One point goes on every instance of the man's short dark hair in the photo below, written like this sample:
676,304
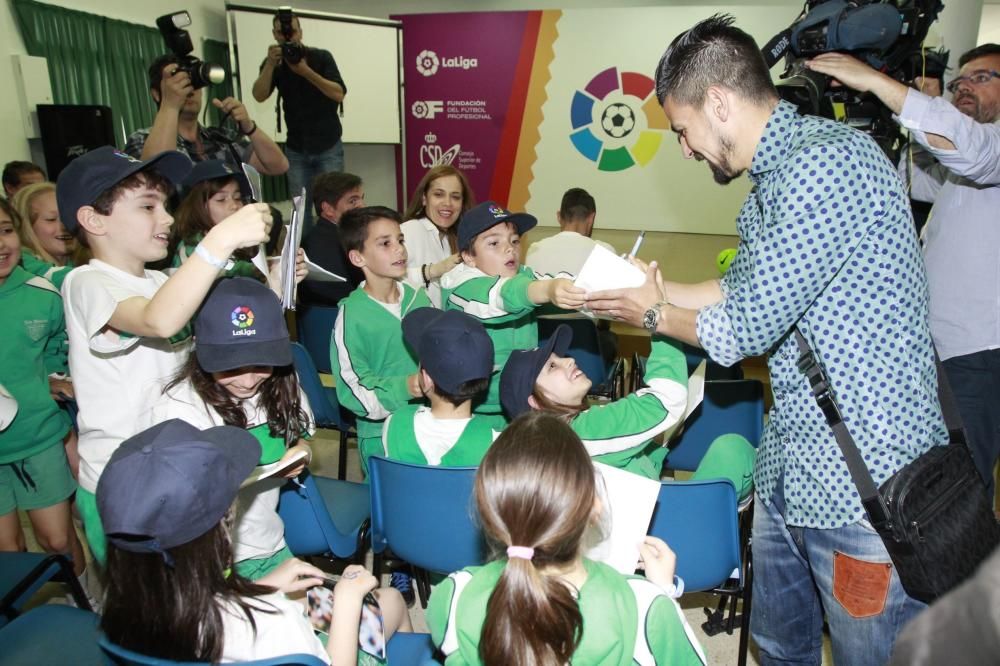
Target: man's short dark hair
331,186
466,391
156,72
980,51
713,52
15,170
577,204
354,225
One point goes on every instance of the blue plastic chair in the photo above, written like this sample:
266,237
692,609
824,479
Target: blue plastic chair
425,516
314,324
700,523
325,406
405,649
23,574
608,381
730,406
52,634
325,517
122,657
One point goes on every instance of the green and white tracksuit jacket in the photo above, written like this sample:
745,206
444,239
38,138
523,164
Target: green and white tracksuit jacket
621,433
502,305
372,362
627,620
400,441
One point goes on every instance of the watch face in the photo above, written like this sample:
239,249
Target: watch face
649,319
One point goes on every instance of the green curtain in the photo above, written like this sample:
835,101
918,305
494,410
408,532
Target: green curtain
93,59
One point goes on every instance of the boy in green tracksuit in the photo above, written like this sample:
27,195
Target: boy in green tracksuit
34,472
456,362
491,285
376,373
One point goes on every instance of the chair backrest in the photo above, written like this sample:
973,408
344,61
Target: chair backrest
585,348
695,355
315,328
327,414
730,406
309,528
120,655
698,520
425,515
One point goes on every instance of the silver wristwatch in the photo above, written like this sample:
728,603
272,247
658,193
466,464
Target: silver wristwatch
651,319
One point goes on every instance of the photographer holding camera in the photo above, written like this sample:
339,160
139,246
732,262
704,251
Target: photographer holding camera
176,125
310,84
957,167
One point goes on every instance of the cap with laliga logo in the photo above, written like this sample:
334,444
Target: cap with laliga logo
241,323
90,175
487,215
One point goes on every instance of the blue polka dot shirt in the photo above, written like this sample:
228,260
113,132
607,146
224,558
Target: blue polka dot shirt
827,243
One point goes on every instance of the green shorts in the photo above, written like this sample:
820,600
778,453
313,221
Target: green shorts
259,567
36,482
93,528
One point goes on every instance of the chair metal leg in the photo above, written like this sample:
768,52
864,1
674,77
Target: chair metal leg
75,588
422,579
342,456
745,620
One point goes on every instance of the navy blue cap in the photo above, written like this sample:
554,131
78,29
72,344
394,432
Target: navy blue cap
241,323
172,483
487,215
451,346
88,176
517,381
212,169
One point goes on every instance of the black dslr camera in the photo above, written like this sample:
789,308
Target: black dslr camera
292,52
179,41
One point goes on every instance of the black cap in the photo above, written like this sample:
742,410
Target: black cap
212,169
487,215
517,381
451,346
241,323
172,483
88,176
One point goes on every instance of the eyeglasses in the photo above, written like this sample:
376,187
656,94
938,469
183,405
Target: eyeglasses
977,78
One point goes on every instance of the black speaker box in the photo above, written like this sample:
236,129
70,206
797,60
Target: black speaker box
70,130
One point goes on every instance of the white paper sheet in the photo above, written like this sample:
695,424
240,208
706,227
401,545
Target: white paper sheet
262,472
606,270
319,274
293,238
628,501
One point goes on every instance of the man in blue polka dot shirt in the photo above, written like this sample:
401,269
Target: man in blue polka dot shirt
826,244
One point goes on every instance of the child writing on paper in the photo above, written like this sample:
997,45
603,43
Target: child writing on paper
241,374
491,285
621,433
167,498
540,601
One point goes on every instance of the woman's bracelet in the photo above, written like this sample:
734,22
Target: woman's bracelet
206,256
423,274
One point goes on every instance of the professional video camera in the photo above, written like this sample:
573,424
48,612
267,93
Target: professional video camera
291,51
179,41
887,34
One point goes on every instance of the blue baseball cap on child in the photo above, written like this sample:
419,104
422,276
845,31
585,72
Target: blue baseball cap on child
212,169
86,177
241,323
486,215
451,346
517,381
172,483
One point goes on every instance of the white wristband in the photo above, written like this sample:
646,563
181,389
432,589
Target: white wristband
221,264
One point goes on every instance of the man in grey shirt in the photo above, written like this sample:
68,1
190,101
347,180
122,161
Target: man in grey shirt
959,171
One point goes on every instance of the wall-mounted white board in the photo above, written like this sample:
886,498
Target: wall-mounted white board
367,52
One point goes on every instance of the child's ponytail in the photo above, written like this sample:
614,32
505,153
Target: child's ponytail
535,491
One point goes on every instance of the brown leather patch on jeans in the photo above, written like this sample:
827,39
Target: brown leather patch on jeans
860,587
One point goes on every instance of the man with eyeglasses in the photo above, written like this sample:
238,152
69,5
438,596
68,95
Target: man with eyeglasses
959,171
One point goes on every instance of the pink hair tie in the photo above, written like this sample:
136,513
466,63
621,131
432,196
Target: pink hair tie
522,552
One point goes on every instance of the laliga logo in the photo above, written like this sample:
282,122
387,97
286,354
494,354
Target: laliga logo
428,62
242,318
497,211
427,109
431,154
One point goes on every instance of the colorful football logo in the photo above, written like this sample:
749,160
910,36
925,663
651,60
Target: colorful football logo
617,121
242,317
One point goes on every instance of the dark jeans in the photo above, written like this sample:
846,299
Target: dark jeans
975,381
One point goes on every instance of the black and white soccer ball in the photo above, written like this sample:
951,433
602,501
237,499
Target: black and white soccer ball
618,120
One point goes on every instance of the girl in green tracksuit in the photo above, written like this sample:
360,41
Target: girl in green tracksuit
540,601
621,433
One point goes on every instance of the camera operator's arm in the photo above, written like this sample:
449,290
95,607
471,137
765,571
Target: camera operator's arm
327,80
175,87
267,156
264,85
